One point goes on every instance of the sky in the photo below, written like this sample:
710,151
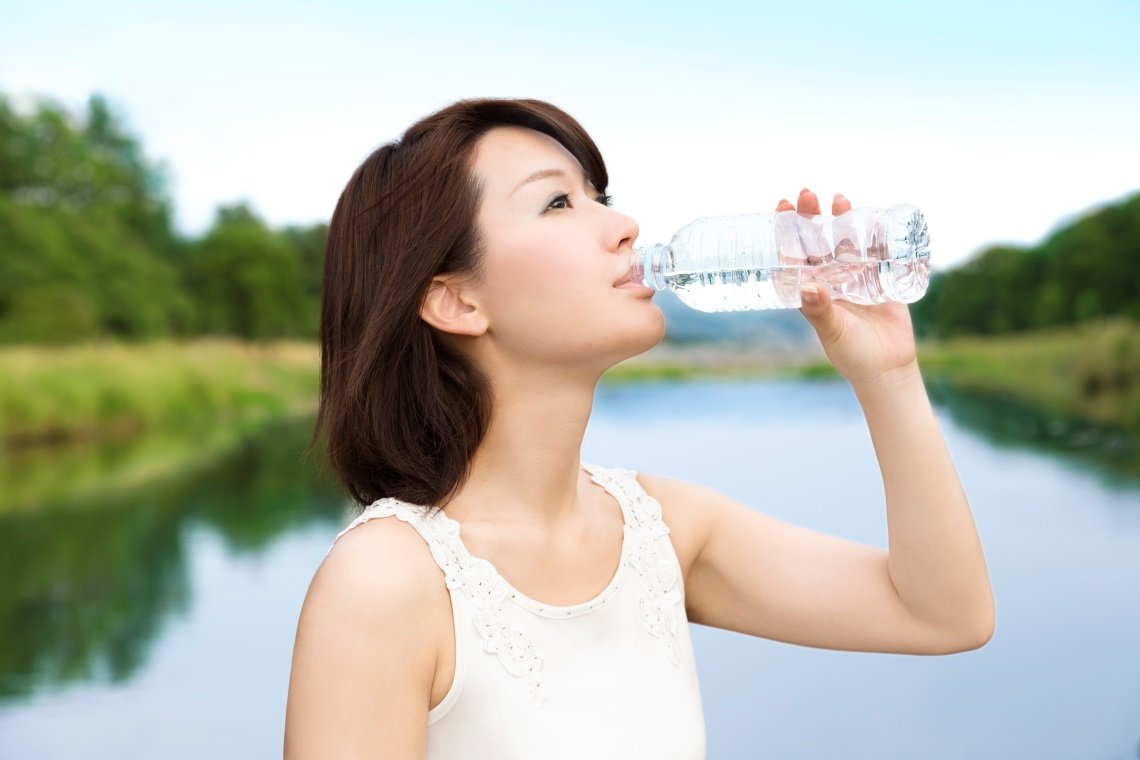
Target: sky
998,119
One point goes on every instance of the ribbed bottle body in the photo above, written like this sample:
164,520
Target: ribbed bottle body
760,261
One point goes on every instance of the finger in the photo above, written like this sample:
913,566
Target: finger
843,230
809,230
785,205
808,203
820,311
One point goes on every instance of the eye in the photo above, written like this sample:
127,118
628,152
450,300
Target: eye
559,202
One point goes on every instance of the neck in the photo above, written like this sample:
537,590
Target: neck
527,469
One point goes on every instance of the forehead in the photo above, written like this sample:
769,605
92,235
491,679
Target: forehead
505,156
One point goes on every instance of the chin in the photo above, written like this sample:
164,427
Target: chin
650,333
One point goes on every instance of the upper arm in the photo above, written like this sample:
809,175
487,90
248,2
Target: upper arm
365,652
754,574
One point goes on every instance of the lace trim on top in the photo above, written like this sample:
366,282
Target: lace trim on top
659,575
488,591
478,581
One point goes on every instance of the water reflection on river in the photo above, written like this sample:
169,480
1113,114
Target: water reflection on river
158,621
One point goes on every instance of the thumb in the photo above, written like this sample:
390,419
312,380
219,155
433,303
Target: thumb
820,312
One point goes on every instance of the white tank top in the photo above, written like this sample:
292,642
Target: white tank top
612,677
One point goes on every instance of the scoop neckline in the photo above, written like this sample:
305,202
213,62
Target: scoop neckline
557,611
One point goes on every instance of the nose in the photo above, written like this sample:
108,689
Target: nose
622,231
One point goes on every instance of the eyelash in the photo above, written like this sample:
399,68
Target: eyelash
605,200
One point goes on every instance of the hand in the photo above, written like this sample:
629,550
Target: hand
863,343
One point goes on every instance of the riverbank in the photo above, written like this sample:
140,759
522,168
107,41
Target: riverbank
673,361
51,396
116,391
1090,372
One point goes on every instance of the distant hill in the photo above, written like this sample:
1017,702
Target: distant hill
777,326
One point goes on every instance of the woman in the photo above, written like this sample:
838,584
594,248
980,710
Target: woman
476,289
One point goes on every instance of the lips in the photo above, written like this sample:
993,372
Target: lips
628,283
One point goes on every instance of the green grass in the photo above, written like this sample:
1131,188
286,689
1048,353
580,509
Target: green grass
114,390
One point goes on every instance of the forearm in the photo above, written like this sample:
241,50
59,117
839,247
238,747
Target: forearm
935,557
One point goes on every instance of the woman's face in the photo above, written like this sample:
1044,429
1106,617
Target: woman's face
554,257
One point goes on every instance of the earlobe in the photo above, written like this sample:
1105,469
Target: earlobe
450,309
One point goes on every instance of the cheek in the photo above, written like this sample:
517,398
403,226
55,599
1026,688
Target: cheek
535,282
549,310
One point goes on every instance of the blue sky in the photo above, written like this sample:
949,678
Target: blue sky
996,118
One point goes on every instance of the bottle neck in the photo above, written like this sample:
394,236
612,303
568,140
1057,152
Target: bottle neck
650,264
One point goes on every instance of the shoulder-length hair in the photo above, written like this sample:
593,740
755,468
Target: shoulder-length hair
401,411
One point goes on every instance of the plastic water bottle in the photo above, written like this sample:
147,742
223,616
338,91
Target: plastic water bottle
759,261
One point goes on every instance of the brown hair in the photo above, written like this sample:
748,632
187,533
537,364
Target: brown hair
402,411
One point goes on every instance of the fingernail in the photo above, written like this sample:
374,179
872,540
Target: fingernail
839,195
809,294
805,190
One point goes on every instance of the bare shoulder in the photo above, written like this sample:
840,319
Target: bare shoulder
368,641
378,569
384,557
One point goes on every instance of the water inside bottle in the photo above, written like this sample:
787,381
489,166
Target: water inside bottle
759,261
778,287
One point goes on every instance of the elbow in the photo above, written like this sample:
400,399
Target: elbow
964,632
977,634
985,623
977,638
986,628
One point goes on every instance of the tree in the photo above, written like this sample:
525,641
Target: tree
1086,269
246,279
85,233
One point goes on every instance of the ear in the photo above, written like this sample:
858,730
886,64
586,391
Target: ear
451,308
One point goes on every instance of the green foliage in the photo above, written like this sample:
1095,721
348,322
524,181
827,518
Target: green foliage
248,280
88,250
1087,270
48,159
68,275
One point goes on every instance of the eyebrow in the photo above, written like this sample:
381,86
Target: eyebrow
545,173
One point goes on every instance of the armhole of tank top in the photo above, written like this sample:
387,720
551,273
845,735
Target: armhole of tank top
458,615
668,541
459,678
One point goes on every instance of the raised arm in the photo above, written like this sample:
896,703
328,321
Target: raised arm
928,593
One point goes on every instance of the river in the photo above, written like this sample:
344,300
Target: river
158,622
